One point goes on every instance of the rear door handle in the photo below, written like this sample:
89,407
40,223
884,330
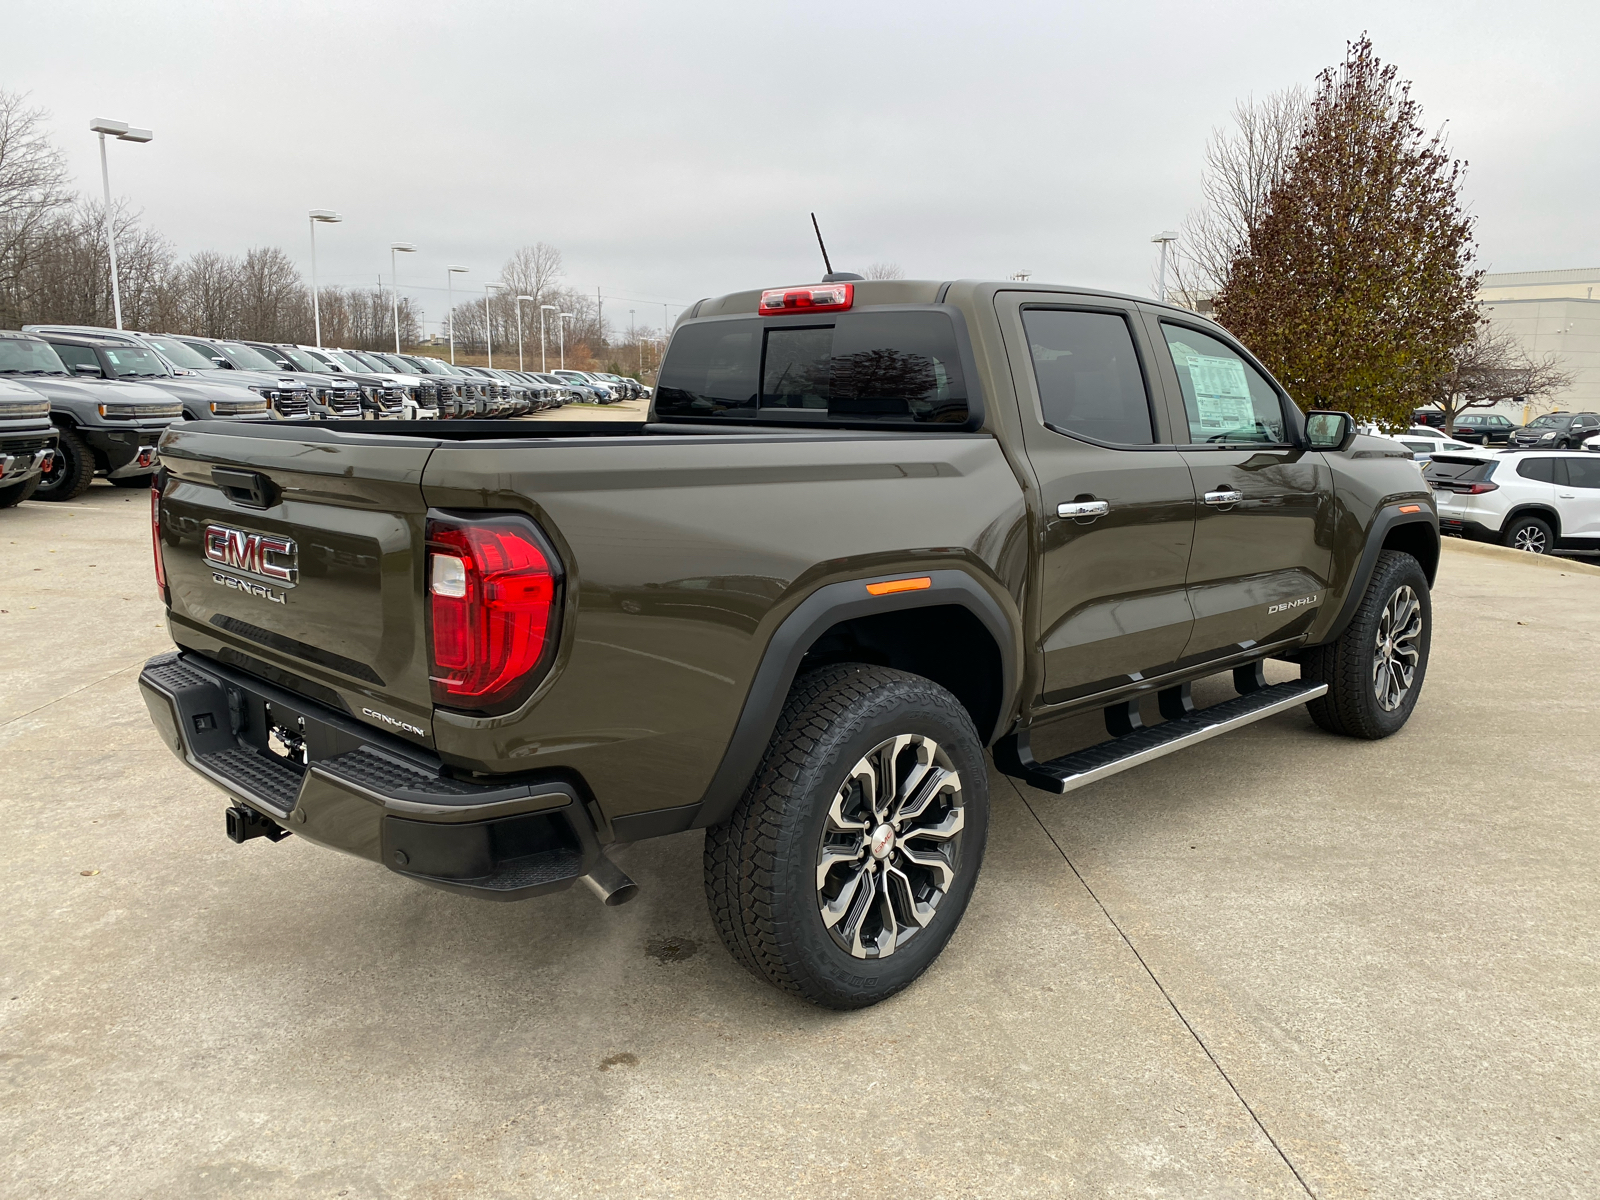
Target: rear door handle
1083,508
1223,497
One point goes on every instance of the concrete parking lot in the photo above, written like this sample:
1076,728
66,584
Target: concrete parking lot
1281,964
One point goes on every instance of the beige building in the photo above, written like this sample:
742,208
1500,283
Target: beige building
1551,312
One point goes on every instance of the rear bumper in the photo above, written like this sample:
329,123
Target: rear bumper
1466,527
383,801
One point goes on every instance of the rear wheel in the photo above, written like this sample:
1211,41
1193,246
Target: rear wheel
13,494
70,470
1375,668
1529,533
845,868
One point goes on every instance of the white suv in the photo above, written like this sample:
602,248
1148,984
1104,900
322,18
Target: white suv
1533,500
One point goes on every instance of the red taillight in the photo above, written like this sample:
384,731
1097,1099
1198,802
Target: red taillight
155,538
826,297
492,610
1479,489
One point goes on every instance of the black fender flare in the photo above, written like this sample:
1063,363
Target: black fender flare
811,618
1388,519
1545,512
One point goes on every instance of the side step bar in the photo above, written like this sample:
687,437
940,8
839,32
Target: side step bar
1083,767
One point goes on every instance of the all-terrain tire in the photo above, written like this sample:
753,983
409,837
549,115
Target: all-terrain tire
762,865
1350,666
13,494
70,472
1532,534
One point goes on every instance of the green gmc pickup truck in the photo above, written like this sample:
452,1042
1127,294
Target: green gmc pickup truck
872,535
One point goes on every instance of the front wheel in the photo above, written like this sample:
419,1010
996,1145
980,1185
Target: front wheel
70,470
1375,668
13,494
849,861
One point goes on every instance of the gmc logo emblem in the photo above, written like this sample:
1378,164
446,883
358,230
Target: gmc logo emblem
258,554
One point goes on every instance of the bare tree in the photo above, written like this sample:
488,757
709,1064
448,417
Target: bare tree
885,270
274,302
1493,367
1243,164
33,184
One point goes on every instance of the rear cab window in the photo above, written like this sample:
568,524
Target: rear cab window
893,367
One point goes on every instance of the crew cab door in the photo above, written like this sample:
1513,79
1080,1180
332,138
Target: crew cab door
1111,600
1263,538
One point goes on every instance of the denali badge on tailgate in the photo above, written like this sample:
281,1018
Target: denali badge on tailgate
259,554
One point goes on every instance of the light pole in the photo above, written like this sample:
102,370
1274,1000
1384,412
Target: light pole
450,274
561,336
394,280
120,131
488,318
322,216
520,299
1165,237
543,308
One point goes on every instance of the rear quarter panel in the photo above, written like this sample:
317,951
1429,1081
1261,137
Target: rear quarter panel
683,554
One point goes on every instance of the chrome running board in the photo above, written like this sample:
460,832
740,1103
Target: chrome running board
1083,767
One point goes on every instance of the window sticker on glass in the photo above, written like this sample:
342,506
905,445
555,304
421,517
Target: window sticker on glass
1221,394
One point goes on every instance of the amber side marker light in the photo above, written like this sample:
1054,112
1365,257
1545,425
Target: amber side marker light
1410,508
900,585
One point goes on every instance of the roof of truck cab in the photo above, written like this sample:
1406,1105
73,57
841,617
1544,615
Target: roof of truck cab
919,291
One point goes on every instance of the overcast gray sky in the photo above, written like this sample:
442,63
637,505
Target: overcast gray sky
673,150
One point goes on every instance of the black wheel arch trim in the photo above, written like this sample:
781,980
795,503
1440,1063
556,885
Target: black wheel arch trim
1533,509
811,618
1388,519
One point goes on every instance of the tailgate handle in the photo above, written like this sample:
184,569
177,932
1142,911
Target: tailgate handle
249,488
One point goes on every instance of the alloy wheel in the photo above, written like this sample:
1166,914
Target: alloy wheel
1530,538
890,847
1398,649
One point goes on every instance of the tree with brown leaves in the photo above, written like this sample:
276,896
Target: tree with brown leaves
1356,288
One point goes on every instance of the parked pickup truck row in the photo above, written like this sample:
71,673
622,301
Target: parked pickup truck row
110,394
873,537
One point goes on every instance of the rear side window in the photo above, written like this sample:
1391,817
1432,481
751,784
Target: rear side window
1089,378
860,367
1442,469
1226,399
77,356
1540,470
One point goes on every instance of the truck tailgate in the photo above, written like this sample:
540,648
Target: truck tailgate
302,551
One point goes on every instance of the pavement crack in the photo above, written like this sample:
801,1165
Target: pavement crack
65,695
1165,995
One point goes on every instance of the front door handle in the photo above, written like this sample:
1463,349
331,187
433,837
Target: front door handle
1083,508
1223,497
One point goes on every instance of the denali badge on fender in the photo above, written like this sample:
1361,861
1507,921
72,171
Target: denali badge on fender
258,554
1288,604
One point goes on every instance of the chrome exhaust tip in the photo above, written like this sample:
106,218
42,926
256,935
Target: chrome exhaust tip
608,882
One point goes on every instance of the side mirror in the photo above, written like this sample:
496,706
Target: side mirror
1330,430
88,369
222,362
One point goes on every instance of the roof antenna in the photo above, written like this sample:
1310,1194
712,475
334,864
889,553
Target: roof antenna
832,276
824,248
